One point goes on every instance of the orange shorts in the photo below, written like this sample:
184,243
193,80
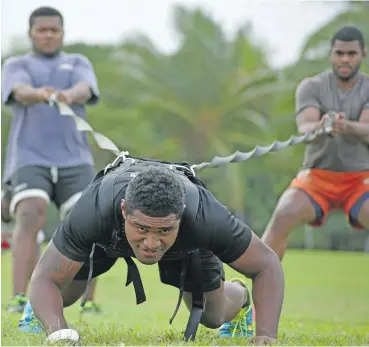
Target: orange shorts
334,190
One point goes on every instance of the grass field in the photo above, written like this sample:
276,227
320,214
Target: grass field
326,303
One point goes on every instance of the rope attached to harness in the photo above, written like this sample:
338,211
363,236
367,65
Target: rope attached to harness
82,125
105,143
276,146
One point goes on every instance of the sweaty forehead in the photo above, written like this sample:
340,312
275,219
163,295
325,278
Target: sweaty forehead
346,46
47,22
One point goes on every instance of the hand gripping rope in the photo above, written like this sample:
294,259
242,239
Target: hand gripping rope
238,157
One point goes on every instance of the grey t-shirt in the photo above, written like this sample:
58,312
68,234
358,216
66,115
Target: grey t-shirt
339,153
39,135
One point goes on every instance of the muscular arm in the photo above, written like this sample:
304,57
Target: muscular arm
360,128
80,93
53,272
307,107
308,120
17,84
85,87
261,264
235,244
27,95
70,247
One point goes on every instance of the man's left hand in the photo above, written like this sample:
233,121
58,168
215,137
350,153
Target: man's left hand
64,96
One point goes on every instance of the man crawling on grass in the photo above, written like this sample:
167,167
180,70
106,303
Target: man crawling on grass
160,213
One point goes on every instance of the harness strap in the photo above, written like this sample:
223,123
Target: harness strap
90,272
197,307
133,275
192,262
181,287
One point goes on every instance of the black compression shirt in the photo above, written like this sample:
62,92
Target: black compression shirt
214,228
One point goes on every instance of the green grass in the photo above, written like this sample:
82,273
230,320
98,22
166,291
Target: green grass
326,303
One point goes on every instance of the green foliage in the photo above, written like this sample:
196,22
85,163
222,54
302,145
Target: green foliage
212,96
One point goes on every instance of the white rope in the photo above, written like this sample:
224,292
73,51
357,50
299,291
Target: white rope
258,151
82,125
105,143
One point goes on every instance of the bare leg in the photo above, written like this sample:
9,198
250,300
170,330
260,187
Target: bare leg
38,254
30,218
294,208
73,292
222,304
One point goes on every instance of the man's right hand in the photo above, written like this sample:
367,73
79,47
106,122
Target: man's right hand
43,94
326,118
26,94
323,120
53,272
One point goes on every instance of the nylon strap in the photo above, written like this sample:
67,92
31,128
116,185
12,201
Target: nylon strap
276,146
82,125
105,143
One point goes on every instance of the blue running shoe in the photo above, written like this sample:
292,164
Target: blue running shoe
242,325
29,323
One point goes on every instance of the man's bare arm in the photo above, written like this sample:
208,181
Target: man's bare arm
53,272
78,94
309,120
27,95
360,128
261,264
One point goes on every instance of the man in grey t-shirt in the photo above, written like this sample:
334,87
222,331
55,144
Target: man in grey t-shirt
47,159
335,172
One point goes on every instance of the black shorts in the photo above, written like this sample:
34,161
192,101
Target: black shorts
170,270
63,186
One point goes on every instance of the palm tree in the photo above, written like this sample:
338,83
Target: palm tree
211,97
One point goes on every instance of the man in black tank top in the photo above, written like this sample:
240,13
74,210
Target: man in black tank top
160,212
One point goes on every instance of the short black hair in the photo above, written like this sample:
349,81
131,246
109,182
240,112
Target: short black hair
348,33
156,192
44,12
